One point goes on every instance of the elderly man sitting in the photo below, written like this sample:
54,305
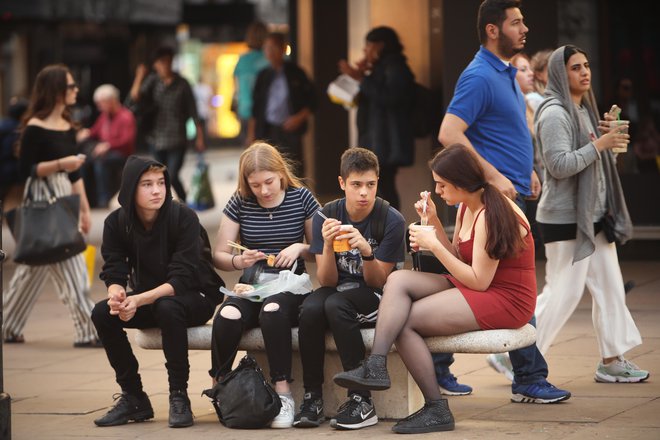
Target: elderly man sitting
115,132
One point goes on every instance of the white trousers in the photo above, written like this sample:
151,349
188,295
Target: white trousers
69,277
600,272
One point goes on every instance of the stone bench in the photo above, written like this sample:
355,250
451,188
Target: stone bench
404,395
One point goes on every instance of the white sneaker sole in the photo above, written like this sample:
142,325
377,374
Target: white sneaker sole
281,424
369,422
519,398
606,378
446,392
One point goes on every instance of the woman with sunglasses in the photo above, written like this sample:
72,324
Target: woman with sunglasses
48,158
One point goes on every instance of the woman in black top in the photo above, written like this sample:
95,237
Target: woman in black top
48,153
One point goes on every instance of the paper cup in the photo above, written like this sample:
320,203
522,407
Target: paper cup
415,227
341,244
622,126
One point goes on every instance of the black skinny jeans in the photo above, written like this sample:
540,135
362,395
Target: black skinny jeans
173,315
344,313
275,327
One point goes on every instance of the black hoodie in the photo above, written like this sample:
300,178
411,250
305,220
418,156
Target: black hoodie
146,259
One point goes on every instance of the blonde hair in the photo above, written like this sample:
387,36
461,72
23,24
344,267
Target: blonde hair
261,156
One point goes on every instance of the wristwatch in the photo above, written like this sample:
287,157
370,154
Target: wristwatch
368,257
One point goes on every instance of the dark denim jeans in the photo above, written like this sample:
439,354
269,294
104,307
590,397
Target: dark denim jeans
173,160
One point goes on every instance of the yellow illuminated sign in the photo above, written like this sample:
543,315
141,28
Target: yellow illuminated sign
227,123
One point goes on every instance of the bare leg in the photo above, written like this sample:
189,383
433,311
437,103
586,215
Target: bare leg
445,313
402,289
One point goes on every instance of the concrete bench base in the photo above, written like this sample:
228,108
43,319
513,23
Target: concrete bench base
404,395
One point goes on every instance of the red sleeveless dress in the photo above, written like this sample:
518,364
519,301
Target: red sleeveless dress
510,300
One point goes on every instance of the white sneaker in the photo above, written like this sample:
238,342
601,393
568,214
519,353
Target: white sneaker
285,418
501,363
620,370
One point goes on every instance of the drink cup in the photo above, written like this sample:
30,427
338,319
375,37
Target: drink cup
415,227
621,126
341,244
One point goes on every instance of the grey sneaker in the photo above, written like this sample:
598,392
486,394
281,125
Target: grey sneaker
357,412
434,416
501,363
371,375
620,370
311,412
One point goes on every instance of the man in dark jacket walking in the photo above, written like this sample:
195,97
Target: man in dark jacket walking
158,248
283,100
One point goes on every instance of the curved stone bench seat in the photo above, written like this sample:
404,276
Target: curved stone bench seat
482,341
400,400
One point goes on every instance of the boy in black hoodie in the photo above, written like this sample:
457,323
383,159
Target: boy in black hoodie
159,249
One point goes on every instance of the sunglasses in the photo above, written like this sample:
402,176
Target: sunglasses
72,86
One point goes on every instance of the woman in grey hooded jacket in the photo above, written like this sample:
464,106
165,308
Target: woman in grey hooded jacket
581,213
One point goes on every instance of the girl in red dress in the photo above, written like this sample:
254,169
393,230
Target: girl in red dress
492,284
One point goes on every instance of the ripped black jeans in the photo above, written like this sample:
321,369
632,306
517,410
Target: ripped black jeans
275,326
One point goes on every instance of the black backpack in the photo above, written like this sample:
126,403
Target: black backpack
425,114
378,218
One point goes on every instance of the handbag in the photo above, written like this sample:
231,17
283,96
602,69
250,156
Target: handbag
423,260
200,196
46,231
243,399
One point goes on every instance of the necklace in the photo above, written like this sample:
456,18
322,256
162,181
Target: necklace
271,211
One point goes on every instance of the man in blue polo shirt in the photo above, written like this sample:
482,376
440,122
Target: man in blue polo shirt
487,114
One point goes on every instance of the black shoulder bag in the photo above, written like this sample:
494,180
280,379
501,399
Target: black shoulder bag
46,231
243,398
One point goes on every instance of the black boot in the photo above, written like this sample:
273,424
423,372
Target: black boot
371,375
432,417
180,413
128,408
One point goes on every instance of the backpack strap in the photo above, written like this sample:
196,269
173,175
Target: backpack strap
378,219
331,209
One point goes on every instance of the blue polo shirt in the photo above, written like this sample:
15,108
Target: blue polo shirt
489,100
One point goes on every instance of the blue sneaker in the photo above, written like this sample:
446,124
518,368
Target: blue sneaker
449,386
539,392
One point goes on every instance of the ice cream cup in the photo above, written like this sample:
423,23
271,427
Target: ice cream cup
416,227
341,244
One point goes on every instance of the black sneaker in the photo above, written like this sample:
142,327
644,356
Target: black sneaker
432,417
128,408
180,412
357,412
370,375
311,412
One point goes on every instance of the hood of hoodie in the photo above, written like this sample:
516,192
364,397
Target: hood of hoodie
134,168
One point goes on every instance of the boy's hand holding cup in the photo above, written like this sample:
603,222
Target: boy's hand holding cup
340,242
